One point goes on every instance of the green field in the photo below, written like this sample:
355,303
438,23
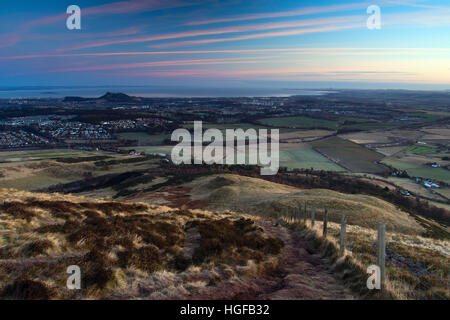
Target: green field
400,165
350,155
432,173
307,158
444,192
428,117
51,154
370,126
419,149
418,170
300,123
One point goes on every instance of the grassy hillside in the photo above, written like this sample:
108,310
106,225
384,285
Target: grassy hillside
125,250
417,266
52,167
258,196
241,240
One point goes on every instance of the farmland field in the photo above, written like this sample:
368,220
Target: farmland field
431,173
444,192
304,134
151,149
36,155
389,151
223,126
412,186
300,123
307,158
371,126
429,116
419,170
366,137
29,170
419,149
350,155
85,141
384,136
144,138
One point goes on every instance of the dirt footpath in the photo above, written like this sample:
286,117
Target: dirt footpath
304,274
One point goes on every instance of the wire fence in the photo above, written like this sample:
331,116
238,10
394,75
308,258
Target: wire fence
405,276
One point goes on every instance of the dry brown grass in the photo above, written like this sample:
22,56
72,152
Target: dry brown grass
117,245
416,267
251,195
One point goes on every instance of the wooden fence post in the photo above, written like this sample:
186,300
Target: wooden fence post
313,216
305,214
325,222
381,248
343,233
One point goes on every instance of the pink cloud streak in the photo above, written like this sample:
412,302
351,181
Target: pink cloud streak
258,36
118,7
218,31
291,13
292,51
159,64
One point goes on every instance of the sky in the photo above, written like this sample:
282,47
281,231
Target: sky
229,43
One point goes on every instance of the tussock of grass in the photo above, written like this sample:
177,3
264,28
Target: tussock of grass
24,289
239,240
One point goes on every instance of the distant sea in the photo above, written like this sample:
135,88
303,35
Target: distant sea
162,92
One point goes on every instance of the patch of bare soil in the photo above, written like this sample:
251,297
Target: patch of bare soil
173,197
191,242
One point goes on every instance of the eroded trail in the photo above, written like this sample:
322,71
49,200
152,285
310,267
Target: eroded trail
304,273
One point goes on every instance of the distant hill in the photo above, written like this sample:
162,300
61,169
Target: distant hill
118,97
109,96
76,99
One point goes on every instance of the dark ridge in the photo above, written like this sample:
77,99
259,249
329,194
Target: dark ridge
90,184
109,96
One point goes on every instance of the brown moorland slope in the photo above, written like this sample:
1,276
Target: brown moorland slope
265,198
142,251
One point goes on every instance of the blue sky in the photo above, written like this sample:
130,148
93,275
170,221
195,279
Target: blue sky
226,43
